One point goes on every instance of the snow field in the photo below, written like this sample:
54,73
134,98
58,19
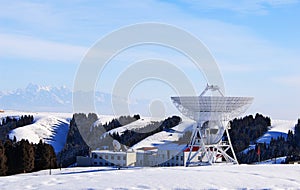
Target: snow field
205,177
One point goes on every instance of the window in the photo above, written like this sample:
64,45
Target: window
181,158
95,163
112,157
106,157
177,157
119,158
95,156
101,164
124,157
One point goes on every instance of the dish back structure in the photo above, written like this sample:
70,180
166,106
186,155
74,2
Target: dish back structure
212,115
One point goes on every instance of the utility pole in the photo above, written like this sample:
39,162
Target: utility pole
50,165
258,152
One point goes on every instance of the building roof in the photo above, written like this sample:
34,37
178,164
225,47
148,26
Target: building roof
106,152
147,148
193,150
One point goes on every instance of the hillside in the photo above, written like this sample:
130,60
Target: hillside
53,129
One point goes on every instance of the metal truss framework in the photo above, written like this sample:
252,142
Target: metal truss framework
212,115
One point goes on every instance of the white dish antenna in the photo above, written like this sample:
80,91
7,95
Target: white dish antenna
116,145
212,114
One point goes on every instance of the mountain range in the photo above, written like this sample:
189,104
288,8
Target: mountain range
36,98
46,99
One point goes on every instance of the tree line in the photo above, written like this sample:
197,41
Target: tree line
23,157
84,135
132,137
10,123
244,131
247,130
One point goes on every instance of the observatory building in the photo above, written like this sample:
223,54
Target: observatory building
212,115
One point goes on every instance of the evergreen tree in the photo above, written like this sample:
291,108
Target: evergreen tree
45,157
3,160
11,157
25,156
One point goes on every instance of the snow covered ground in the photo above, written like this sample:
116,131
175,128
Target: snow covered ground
204,177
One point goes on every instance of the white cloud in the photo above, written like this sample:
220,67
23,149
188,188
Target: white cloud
290,81
241,6
27,47
25,13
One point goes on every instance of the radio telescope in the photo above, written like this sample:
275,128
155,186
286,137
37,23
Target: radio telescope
116,145
212,115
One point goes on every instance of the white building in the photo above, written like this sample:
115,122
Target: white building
146,156
110,158
170,154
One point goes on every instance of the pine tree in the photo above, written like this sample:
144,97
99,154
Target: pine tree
3,160
45,157
25,156
11,157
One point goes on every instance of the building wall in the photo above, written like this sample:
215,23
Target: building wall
108,158
83,161
140,158
130,159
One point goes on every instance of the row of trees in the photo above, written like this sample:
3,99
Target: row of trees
281,146
23,157
132,137
84,134
245,131
9,123
19,121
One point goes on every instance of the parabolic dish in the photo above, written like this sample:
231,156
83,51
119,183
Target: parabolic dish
202,108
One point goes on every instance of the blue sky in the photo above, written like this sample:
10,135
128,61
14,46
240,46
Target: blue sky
255,43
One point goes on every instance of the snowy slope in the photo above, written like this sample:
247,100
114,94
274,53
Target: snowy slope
134,125
165,137
204,177
277,129
283,125
52,128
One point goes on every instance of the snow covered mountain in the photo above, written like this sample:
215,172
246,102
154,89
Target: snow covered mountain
45,99
37,98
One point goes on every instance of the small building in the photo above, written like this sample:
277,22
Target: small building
171,155
111,158
146,156
165,155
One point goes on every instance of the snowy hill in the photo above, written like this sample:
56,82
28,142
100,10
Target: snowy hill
278,128
166,137
205,177
52,128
